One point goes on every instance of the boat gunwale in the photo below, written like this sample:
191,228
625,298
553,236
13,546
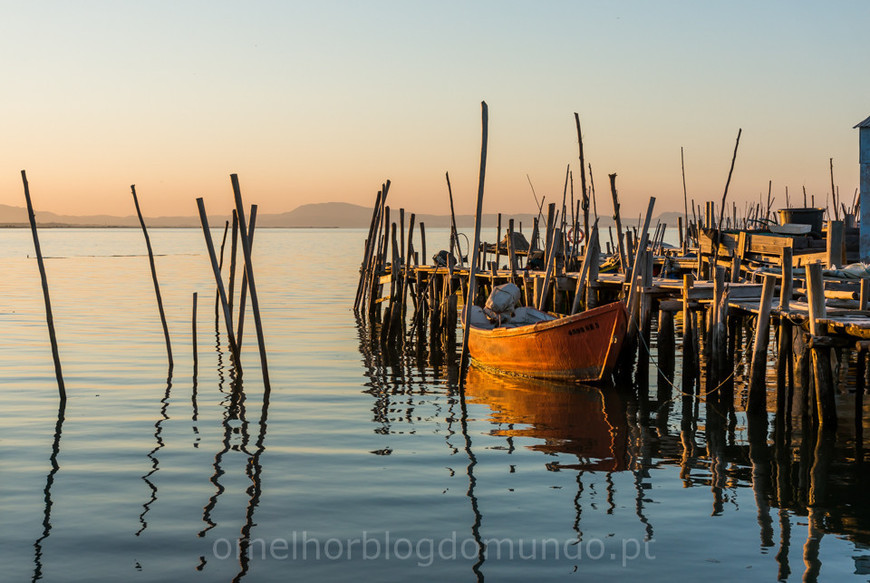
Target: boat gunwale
547,325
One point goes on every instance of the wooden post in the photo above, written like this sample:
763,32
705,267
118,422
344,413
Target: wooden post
376,260
533,242
243,293
551,219
61,388
401,236
645,314
454,234
512,259
551,261
154,277
234,252
784,367
473,271
688,348
835,244
423,243
864,296
820,349
231,337
641,248
623,258
193,337
592,278
757,393
365,262
665,343
249,272
581,277
498,246
406,276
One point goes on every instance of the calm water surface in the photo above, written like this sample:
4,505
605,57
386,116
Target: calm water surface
363,465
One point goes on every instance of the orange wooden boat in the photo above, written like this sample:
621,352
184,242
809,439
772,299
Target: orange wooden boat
583,347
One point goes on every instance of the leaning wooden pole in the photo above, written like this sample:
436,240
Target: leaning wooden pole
473,255
243,293
363,269
685,238
583,180
233,254
623,260
454,234
48,317
154,277
193,337
249,272
231,337
758,369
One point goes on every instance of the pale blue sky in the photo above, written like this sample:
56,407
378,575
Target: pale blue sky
322,101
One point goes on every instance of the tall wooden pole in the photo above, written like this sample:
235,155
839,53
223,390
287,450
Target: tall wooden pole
454,235
249,272
193,337
231,337
583,180
243,293
153,277
685,203
233,252
623,260
48,317
473,255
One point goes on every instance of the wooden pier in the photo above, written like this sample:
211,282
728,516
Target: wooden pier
791,296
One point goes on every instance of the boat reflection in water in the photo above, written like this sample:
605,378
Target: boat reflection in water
585,421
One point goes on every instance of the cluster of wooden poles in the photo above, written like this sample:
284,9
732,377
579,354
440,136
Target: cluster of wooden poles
242,233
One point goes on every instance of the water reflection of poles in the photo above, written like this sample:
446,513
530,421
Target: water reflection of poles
816,499
783,497
639,457
759,456
225,441
155,461
472,481
715,434
687,439
49,480
254,470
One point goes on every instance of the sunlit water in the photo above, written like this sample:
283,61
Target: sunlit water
360,466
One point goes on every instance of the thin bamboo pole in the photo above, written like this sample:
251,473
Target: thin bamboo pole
154,277
243,293
233,253
45,295
249,271
193,336
231,337
463,359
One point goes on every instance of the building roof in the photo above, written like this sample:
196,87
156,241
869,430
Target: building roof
863,124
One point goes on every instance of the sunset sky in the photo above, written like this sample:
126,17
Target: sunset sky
323,101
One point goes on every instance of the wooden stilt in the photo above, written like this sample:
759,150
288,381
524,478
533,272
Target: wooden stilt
820,349
757,392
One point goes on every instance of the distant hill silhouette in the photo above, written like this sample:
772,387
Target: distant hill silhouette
317,215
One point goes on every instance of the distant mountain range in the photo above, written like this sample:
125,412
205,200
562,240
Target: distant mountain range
319,215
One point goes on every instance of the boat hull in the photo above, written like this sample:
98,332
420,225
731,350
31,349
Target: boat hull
583,347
